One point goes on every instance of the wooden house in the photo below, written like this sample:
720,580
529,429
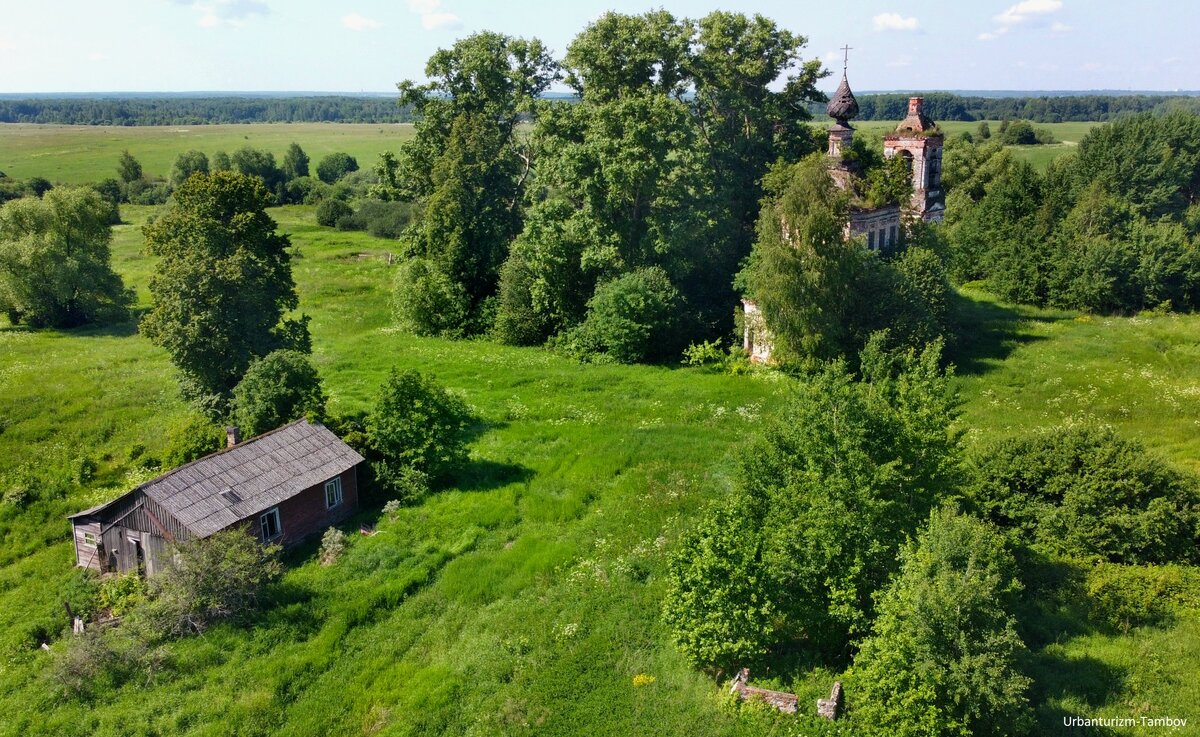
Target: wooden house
284,486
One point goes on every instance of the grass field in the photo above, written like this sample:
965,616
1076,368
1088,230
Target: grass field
77,154
525,599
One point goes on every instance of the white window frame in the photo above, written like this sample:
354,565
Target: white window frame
89,539
262,527
333,485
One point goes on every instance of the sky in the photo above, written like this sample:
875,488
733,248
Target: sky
370,45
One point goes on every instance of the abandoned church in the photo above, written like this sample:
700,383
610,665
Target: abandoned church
283,486
916,139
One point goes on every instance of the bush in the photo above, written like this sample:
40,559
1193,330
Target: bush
1131,596
942,657
217,578
427,301
122,594
1019,133
1086,492
146,192
330,211
633,318
416,425
278,388
193,438
333,544
335,166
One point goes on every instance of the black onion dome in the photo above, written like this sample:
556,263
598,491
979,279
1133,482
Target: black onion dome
842,106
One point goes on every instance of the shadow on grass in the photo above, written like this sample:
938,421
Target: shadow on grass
485,475
987,332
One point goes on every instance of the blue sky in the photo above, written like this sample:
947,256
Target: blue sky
181,45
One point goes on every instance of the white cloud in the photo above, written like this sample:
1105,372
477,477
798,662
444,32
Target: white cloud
1026,10
234,13
356,22
895,22
901,61
432,15
97,56
1027,13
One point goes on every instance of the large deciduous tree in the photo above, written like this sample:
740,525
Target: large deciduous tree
467,165
55,265
222,286
295,162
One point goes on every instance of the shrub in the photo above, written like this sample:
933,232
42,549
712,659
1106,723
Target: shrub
942,657
427,301
416,424
1130,596
385,219
278,388
1087,492
1019,133
145,192
518,322
335,166
192,438
122,594
220,577
333,544
633,318
330,211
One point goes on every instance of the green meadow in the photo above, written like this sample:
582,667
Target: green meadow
80,153
77,154
525,599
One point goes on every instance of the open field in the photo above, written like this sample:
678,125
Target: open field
76,153
525,599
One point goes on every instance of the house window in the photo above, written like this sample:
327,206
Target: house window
269,522
89,539
333,492
892,240
871,240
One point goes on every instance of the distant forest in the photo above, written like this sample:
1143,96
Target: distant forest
348,109
202,110
947,106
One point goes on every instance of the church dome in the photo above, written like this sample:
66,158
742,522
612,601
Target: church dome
842,106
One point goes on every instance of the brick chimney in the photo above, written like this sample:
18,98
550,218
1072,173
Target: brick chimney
233,436
916,106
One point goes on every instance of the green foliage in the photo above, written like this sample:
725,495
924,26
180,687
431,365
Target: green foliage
222,285
295,162
333,544
416,424
1124,597
55,261
721,600
331,210
121,594
128,168
191,439
942,658
1019,133
634,318
254,162
335,166
427,301
1087,492
223,577
221,162
277,388
187,164
827,496
380,218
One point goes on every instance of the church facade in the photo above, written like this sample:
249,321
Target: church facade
917,140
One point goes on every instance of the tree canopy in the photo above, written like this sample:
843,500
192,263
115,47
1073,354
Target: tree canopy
222,286
55,260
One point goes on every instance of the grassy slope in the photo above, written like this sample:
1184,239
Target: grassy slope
75,154
526,599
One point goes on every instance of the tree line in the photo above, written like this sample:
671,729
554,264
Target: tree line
948,106
203,110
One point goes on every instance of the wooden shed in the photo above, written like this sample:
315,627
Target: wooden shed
285,485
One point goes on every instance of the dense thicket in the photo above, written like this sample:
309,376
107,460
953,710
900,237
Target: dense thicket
639,174
201,110
1113,228
823,502
1089,493
944,655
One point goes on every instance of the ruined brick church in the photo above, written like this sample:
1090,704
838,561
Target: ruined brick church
916,139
